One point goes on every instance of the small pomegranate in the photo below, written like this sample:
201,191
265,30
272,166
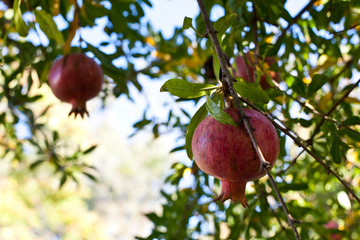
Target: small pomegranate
333,225
226,152
75,78
246,71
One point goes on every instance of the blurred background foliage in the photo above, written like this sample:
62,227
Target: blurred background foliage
43,168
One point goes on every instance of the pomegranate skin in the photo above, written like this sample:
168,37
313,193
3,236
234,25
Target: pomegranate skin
226,152
246,71
75,78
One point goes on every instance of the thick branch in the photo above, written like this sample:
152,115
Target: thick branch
227,81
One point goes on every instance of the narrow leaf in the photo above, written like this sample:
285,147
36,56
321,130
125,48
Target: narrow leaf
48,26
90,176
185,89
336,151
354,120
354,135
63,180
223,23
90,149
216,112
294,187
216,66
36,164
20,25
316,83
194,122
187,23
251,90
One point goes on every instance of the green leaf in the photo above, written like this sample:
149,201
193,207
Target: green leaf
294,187
36,164
354,120
216,66
187,23
48,26
194,122
251,90
90,149
184,89
220,115
354,135
63,180
176,149
20,25
316,83
90,176
336,151
153,217
305,123
223,23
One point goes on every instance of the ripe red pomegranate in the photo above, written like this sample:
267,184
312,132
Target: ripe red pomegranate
246,71
75,78
226,152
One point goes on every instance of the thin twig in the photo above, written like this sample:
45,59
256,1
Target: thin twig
355,25
292,163
284,129
227,82
295,19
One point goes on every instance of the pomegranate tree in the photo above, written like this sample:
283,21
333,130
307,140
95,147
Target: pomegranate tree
75,78
245,69
226,151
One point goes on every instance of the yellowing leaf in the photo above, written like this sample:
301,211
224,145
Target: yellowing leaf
324,101
150,41
352,100
324,63
187,172
268,39
307,80
318,3
160,55
55,7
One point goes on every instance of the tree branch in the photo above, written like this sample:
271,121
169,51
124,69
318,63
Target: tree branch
227,81
291,164
317,128
291,220
264,195
300,144
294,20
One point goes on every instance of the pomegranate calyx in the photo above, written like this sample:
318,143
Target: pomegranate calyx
79,110
234,191
79,107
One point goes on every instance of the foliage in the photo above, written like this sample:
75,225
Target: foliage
316,106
